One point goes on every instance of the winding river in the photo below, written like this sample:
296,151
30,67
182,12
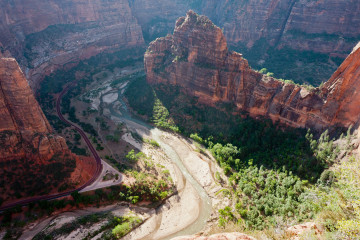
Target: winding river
205,202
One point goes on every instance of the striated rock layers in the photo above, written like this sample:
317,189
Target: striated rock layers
46,35
24,129
197,59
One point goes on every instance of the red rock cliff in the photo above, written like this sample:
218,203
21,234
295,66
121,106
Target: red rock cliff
196,58
53,33
33,160
24,129
46,35
321,26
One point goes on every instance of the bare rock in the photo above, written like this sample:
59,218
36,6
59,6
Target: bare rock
197,59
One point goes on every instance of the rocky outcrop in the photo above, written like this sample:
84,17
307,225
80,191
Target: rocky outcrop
220,236
296,232
48,35
33,160
24,129
197,59
51,34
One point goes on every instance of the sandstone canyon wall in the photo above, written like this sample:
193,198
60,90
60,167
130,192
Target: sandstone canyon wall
33,160
197,59
24,129
46,35
322,26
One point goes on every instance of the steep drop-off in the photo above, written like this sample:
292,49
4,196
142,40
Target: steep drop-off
33,160
48,35
197,59
24,129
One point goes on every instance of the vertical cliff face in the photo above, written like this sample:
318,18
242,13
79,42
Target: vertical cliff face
45,35
342,91
33,160
196,58
24,129
321,26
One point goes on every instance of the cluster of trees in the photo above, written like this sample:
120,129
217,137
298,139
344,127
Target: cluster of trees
146,103
125,224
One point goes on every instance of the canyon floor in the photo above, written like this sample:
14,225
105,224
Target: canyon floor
192,210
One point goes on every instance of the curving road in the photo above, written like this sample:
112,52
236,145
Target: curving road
92,149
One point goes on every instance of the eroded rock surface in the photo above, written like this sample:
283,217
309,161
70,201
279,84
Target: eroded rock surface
33,160
46,35
24,129
197,59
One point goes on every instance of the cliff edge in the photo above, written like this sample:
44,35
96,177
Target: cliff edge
33,160
197,59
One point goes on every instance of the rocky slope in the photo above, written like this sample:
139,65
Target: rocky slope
197,59
28,148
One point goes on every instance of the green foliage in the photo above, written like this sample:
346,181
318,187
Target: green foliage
196,138
273,194
143,98
161,117
339,202
134,157
125,225
153,143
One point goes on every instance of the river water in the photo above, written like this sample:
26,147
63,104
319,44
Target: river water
205,201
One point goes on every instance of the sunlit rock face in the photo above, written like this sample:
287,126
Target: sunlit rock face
197,59
47,35
24,129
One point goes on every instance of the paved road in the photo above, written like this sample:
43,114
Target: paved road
92,149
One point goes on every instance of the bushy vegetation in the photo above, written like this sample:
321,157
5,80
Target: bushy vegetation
147,103
268,195
338,200
125,225
112,227
271,169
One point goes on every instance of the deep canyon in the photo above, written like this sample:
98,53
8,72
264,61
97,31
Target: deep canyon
221,56
47,35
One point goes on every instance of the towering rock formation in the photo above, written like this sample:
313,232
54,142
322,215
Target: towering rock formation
24,129
33,161
46,35
196,58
